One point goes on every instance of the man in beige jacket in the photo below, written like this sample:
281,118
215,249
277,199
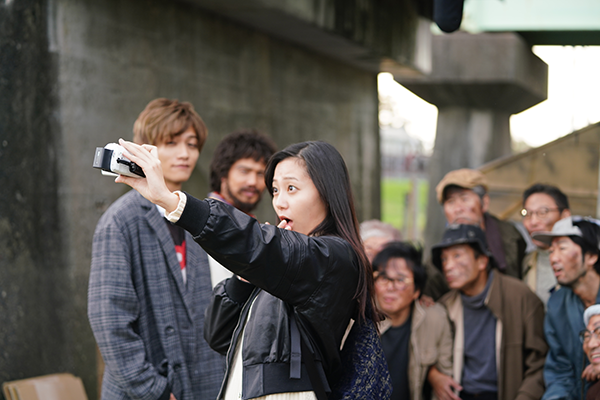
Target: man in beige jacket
499,346
415,338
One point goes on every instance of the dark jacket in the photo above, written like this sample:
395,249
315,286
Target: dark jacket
316,276
520,344
147,322
512,245
566,359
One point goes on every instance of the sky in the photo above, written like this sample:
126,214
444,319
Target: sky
573,100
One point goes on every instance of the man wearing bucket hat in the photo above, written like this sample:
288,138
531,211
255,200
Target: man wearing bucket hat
499,346
574,250
463,195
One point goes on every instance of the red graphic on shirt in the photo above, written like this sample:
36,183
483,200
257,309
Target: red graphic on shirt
180,250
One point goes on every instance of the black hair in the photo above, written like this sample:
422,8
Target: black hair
590,240
561,200
236,146
411,254
328,172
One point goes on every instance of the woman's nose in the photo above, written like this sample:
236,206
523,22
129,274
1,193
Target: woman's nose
279,202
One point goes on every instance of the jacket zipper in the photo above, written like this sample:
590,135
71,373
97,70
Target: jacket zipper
243,316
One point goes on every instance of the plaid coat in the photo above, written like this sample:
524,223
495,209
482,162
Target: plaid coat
148,324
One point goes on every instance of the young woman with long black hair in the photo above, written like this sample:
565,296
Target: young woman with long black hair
311,268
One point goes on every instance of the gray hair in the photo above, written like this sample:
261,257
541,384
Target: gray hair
590,312
377,228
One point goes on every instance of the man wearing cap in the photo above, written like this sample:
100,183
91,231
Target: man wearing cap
574,259
499,346
463,194
543,206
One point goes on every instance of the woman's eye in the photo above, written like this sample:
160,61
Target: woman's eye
291,188
273,190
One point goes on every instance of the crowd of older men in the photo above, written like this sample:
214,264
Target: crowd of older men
509,319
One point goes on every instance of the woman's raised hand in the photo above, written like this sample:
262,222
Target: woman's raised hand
153,187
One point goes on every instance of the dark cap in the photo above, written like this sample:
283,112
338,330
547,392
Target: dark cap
460,234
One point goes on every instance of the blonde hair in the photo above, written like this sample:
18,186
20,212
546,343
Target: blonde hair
162,119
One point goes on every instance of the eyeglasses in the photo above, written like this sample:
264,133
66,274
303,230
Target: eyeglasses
399,283
585,336
541,213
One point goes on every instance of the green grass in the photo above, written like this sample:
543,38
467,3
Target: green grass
396,208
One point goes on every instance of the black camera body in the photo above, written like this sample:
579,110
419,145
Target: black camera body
112,161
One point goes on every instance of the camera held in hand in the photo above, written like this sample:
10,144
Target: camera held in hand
112,161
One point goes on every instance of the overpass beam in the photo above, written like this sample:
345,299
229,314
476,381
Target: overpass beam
477,82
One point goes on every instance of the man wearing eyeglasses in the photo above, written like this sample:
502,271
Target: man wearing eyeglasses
499,346
543,206
590,337
574,257
416,340
463,195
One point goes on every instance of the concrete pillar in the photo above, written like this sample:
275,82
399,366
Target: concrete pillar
477,82
74,74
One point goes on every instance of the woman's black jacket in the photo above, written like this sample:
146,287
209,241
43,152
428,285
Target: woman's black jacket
315,276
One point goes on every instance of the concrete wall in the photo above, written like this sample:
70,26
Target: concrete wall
74,74
374,35
42,325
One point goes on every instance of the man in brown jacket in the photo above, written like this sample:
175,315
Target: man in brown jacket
499,346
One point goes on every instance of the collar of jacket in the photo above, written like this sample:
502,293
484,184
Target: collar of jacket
417,317
493,301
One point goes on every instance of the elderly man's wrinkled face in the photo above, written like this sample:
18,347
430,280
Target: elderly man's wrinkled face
462,268
464,206
591,342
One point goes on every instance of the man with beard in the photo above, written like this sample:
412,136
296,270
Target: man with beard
237,177
237,170
574,249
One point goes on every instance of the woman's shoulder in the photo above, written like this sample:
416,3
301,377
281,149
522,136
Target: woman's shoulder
337,248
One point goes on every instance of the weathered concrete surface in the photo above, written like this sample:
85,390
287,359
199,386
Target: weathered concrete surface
74,74
496,71
375,35
477,82
41,295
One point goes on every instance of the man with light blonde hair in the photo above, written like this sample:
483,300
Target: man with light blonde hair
150,281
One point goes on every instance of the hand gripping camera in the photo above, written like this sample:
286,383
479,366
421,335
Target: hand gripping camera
112,162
